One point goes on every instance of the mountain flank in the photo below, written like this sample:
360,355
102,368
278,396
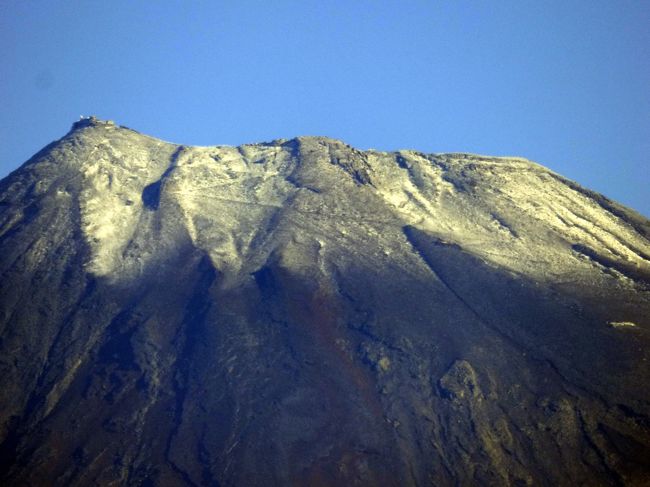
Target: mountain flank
300,312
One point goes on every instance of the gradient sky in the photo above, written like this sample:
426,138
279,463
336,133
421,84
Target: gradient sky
564,83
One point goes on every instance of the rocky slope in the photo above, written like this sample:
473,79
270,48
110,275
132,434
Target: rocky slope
300,312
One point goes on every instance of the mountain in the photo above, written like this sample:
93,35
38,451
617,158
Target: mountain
300,312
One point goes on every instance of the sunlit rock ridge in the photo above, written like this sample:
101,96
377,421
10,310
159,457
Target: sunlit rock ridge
300,312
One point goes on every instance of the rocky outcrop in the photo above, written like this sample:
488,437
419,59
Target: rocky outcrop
300,312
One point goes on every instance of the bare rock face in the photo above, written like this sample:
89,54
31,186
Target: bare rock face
304,313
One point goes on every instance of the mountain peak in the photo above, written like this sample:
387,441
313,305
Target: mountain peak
301,311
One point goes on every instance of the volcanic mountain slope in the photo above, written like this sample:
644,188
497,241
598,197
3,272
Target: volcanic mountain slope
300,312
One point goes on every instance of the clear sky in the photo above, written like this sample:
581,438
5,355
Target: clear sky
563,82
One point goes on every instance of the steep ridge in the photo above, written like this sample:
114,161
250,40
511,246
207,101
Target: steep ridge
303,312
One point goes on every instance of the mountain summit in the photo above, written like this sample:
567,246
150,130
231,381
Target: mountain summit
300,312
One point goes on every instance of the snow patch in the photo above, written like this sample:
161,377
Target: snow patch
235,203
621,324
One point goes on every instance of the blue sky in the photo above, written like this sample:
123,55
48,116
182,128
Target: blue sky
564,83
